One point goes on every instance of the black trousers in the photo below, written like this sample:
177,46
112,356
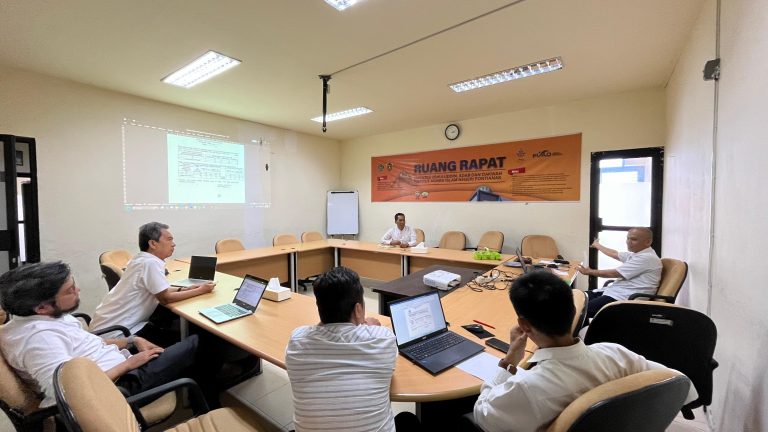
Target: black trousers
596,302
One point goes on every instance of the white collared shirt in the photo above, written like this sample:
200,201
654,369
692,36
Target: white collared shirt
640,273
406,235
531,399
132,300
35,345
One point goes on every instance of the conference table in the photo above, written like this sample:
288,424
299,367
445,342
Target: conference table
267,332
294,262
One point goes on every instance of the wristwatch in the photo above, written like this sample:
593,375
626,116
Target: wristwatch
509,367
130,342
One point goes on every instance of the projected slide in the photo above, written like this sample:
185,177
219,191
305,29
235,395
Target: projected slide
201,170
166,168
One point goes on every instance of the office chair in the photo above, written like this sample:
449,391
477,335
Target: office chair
308,236
284,239
453,240
677,337
228,245
112,264
673,274
89,401
643,402
493,240
539,246
580,300
419,235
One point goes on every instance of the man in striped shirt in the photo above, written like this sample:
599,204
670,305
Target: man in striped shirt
341,368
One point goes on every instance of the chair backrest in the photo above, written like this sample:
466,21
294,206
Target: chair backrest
284,239
14,392
580,301
673,274
118,257
493,240
539,246
419,235
309,236
643,402
89,401
111,273
677,337
453,240
229,245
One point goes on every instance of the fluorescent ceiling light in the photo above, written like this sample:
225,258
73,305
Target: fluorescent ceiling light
205,67
531,69
341,4
343,114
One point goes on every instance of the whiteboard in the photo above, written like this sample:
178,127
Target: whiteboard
342,214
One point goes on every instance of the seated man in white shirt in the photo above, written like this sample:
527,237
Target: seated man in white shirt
143,286
400,235
640,271
565,368
42,335
341,369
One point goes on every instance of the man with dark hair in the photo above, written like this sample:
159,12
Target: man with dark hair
341,368
528,400
640,271
42,335
400,235
143,286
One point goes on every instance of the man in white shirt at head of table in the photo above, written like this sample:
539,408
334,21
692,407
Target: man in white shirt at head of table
400,235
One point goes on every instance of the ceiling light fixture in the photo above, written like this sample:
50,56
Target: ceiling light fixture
203,68
341,4
343,114
517,72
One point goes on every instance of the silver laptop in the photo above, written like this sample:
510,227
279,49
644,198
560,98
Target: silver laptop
423,336
202,269
245,302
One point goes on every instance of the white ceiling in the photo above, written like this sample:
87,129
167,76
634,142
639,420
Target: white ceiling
607,46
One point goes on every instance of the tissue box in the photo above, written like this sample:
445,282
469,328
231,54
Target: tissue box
419,250
277,295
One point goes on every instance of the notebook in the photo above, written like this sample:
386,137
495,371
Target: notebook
423,336
247,298
201,270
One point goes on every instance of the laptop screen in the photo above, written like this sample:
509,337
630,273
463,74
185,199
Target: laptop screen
250,292
202,267
416,317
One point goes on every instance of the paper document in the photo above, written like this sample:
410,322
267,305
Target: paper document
483,366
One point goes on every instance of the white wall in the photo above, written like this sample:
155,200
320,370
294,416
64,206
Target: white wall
738,300
79,153
629,120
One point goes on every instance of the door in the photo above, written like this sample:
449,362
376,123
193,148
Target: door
625,191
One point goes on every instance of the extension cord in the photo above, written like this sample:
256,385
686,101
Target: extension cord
483,279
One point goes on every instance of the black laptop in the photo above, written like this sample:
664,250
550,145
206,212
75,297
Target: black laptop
423,336
202,269
245,302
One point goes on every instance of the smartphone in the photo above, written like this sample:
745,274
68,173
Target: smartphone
499,345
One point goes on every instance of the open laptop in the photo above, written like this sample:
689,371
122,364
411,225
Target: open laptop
201,270
423,336
247,298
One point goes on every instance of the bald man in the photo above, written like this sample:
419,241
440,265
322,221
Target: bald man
640,271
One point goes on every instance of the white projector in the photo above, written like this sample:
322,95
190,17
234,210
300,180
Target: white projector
442,280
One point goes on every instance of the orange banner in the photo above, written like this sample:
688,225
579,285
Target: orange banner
543,169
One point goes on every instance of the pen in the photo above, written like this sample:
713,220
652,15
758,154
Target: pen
482,323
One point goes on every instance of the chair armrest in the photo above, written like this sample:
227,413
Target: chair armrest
84,316
199,405
668,299
608,282
110,329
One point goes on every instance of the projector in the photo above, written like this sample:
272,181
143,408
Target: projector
442,280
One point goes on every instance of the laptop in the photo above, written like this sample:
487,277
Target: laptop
423,336
201,270
247,298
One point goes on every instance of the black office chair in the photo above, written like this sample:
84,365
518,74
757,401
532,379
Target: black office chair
677,337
